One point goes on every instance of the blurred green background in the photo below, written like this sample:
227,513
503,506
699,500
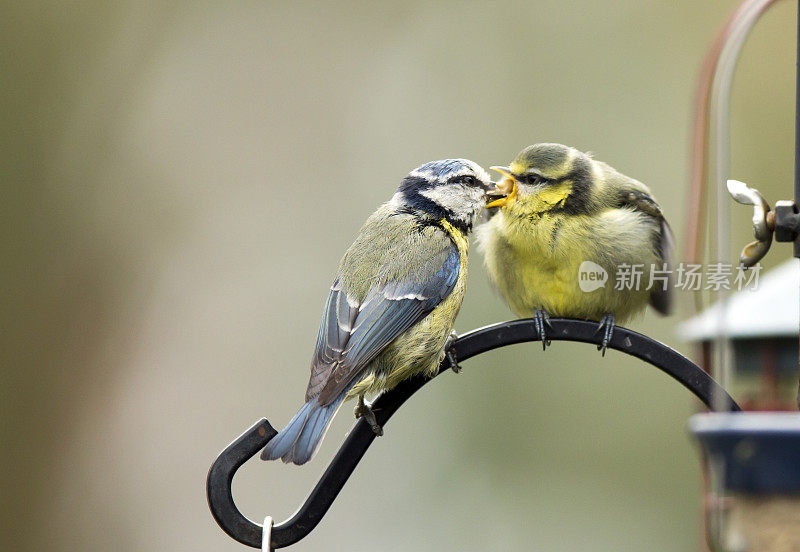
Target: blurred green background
179,182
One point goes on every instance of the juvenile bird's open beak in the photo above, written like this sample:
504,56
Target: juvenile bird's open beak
506,188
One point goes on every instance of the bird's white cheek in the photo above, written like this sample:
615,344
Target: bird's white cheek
449,196
465,202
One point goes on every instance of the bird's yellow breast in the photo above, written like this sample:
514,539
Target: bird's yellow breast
536,261
542,272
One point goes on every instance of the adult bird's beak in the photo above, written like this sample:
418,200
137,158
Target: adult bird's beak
506,188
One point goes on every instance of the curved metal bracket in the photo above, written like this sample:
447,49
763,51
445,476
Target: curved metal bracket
220,476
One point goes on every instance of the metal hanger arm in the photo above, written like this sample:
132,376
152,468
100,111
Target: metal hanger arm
220,476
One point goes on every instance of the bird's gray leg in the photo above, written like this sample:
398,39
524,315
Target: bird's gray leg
362,410
540,320
450,352
607,324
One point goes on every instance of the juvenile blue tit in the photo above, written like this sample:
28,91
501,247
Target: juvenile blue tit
561,209
392,305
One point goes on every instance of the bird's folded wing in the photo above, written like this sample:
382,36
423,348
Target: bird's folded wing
353,333
660,295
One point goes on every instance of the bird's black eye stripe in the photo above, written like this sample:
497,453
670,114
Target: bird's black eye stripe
533,179
466,179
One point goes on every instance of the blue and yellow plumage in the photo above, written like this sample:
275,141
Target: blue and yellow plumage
391,308
564,208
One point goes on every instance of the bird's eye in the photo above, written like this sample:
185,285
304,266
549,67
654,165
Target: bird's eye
533,179
468,180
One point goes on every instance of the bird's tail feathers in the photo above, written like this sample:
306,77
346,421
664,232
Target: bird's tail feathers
299,440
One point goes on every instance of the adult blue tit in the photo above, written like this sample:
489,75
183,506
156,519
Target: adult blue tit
392,305
566,217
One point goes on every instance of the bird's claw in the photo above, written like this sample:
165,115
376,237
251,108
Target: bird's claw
540,320
450,353
606,325
363,410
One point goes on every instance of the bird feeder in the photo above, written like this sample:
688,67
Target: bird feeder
754,503
762,323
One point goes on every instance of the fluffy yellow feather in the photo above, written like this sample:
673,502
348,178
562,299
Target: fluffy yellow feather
565,208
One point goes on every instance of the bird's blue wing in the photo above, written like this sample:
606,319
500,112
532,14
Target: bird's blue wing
353,333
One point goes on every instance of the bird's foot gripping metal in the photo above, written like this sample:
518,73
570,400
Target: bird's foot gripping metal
540,321
450,352
363,410
606,325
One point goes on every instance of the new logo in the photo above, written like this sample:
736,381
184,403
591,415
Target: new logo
591,276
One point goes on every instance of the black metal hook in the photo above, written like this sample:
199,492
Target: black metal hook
220,476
